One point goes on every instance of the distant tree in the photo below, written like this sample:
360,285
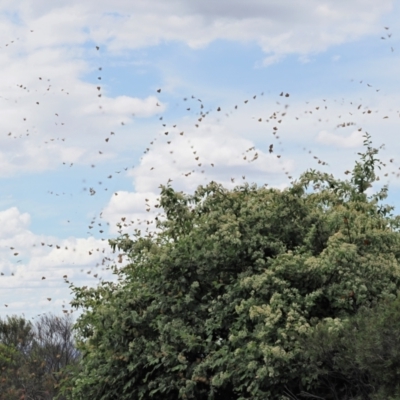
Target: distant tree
217,305
55,346
9,369
18,332
16,342
33,356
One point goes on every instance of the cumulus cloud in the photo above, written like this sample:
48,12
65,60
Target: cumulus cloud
123,106
33,266
280,27
354,140
13,222
127,211
283,27
43,91
53,115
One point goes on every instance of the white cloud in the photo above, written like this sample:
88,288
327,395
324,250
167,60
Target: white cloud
54,51
26,258
354,140
60,120
12,222
272,59
279,28
129,210
282,27
124,106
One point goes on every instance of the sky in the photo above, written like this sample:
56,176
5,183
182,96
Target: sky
102,102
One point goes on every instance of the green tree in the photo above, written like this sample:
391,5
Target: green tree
217,303
360,361
9,357
18,332
17,338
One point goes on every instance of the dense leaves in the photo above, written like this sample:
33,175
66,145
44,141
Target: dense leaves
220,302
360,361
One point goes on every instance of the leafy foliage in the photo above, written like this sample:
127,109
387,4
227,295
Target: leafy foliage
218,303
360,361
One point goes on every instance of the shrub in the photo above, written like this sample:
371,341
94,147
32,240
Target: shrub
217,304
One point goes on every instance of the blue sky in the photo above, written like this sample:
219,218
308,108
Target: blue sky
60,178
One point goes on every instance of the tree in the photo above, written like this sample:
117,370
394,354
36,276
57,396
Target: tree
33,357
360,361
9,370
55,347
216,304
18,332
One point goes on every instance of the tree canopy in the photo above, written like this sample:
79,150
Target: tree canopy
219,303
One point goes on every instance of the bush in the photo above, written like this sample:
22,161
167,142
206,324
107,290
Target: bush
218,304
